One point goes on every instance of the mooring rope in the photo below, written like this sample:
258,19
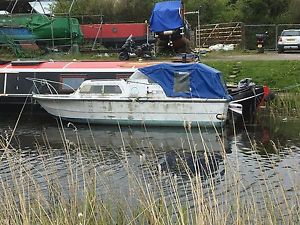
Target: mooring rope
16,125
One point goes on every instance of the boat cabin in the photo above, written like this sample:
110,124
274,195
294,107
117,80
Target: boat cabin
131,88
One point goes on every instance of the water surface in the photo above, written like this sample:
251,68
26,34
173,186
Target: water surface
264,156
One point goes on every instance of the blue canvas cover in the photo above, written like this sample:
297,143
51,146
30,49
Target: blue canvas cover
203,81
166,16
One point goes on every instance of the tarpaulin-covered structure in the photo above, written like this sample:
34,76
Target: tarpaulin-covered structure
188,80
166,16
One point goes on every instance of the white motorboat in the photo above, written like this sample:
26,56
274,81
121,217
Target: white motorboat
171,94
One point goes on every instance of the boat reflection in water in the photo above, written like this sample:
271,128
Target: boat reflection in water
176,150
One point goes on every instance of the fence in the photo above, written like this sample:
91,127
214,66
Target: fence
244,35
274,30
224,33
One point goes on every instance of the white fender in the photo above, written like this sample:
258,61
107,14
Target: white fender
235,107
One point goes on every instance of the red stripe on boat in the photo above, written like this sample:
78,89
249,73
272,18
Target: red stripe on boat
113,31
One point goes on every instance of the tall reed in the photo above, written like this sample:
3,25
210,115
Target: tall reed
286,104
198,185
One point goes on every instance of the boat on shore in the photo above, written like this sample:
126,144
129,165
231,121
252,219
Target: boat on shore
166,94
170,27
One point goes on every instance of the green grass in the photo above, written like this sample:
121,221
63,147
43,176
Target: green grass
276,74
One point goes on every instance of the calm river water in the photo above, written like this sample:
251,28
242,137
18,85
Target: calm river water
265,154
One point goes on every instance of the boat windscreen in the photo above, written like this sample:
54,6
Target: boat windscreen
138,75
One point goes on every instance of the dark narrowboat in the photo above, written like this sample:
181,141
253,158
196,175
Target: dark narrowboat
16,88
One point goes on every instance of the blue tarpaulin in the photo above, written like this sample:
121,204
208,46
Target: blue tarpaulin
189,80
166,16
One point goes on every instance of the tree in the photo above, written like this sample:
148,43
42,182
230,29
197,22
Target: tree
212,11
260,11
292,14
113,10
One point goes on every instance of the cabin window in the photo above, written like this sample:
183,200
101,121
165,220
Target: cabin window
73,81
91,89
85,89
100,89
96,89
112,89
181,82
122,76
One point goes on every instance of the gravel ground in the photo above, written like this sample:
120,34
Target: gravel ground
256,56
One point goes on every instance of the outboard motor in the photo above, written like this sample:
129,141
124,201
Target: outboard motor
246,82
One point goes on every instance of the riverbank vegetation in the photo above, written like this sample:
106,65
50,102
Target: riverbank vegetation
76,185
279,75
285,105
251,11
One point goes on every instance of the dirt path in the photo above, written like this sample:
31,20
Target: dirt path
256,57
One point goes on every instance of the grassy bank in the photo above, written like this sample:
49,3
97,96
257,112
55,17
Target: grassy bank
282,75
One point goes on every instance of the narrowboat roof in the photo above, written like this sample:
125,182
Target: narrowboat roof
71,66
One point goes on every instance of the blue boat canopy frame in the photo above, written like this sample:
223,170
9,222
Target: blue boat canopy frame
166,16
188,80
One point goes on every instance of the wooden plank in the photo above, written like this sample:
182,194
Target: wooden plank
222,33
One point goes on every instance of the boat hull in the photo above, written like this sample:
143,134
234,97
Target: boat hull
138,111
250,98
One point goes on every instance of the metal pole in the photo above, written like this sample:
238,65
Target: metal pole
13,8
71,6
199,41
69,20
52,32
42,7
99,29
147,32
276,37
5,81
198,21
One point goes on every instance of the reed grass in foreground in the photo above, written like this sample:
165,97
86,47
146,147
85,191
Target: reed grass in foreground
286,104
79,184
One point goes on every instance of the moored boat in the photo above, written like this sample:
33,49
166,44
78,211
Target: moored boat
15,89
164,95
251,96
